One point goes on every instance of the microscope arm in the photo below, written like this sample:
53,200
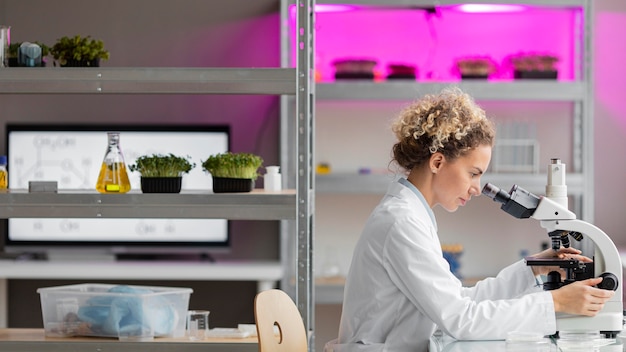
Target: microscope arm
553,217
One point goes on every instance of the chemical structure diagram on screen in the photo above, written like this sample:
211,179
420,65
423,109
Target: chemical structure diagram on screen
55,158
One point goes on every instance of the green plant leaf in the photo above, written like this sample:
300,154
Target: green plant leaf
78,48
158,165
233,165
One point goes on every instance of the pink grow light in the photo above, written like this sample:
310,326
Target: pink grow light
333,8
432,42
484,8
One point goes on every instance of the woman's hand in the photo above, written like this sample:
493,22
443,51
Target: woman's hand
562,253
580,297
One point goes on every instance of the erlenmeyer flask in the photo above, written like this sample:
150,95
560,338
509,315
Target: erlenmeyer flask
113,177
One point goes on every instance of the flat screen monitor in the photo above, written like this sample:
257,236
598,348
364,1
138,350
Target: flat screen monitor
72,156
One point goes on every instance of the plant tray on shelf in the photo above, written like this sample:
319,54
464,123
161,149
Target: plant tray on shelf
393,76
161,184
82,63
354,75
232,185
535,74
474,76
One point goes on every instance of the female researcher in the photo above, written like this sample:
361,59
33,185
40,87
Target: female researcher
400,289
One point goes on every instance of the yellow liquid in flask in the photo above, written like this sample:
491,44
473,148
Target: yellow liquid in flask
3,179
113,178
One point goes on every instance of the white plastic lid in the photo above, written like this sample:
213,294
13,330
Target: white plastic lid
272,169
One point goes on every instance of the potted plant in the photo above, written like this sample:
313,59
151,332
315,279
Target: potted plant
162,173
534,66
233,172
79,51
479,67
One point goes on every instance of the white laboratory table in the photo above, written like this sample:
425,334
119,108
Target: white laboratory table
440,343
266,274
34,340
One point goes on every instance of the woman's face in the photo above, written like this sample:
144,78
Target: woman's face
455,182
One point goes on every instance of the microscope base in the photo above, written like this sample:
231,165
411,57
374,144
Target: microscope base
608,321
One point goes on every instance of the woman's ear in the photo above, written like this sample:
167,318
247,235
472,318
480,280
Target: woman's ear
436,160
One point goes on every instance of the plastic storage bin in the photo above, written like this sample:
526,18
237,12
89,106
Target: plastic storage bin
122,311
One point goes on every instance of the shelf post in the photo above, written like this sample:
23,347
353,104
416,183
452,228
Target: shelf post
304,175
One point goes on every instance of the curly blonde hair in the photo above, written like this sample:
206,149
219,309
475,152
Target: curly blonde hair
450,123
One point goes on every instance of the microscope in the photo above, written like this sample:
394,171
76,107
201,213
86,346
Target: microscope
552,212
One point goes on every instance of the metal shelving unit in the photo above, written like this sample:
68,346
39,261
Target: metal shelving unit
294,204
578,92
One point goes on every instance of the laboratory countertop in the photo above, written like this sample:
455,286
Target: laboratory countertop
34,340
439,343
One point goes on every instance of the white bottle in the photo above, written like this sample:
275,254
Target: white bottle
272,179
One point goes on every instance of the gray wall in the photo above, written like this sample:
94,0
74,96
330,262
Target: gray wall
609,55
161,33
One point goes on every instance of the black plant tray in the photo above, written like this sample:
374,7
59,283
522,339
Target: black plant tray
232,185
474,76
401,76
354,75
550,74
82,63
161,184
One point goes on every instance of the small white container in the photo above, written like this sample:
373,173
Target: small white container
272,179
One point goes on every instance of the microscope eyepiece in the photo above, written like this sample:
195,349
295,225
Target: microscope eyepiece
518,202
494,192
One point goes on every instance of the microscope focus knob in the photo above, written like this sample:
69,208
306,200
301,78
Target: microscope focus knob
609,282
553,281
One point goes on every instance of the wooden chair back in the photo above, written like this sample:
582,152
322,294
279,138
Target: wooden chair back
274,308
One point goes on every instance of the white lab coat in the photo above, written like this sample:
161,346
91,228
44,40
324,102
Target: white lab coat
400,289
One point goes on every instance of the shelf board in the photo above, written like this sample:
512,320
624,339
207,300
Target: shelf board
430,3
156,80
141,270
484,90
29,340
256,205
346,183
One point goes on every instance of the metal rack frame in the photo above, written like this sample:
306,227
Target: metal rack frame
579,92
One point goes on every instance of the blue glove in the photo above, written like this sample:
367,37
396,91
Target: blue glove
127,315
